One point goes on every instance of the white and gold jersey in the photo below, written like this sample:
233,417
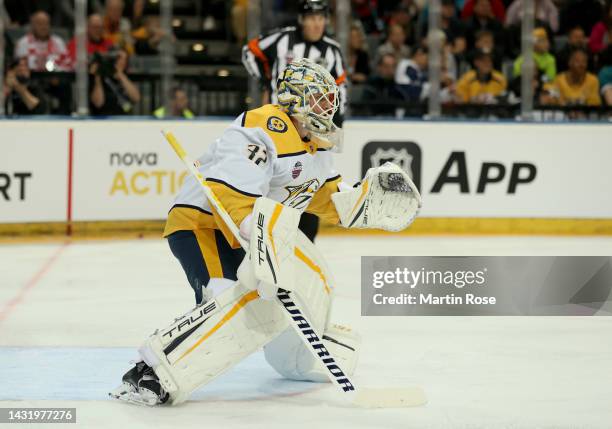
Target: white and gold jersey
260,154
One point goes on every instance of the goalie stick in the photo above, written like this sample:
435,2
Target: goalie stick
369,398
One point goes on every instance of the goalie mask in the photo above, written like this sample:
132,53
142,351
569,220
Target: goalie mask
308,92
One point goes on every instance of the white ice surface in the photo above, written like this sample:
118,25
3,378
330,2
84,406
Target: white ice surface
67,339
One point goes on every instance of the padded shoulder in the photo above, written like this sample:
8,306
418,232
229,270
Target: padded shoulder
278,126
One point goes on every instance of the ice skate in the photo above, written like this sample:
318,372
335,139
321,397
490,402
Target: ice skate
140,386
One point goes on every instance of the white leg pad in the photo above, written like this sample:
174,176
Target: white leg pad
313,289
288,355
210,339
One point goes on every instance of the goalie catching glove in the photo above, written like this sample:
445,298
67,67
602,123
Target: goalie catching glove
386,199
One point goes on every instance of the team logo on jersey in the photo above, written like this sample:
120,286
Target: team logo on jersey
276,124
299,196
257,153
297,169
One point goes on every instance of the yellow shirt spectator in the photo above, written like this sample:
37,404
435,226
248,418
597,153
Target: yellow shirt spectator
585,93
470,89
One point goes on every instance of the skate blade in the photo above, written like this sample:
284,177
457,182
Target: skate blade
127,393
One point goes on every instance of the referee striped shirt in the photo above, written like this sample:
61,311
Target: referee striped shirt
267,56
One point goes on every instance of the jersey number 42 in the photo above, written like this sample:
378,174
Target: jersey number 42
257,153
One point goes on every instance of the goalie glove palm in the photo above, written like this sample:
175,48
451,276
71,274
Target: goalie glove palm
386,199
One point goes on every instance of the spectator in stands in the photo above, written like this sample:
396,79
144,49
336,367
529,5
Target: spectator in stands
449,69
601,33
482,85
453,28
485,42
542,88
116,27
22,95
605,76
367,13
148,37
583,13
544,60
358,59
576,86
498,10
411,76
112,92
545,12
44,51
380,88
405,14
387,8
179,105
96,42
575,39
483,19
61,12
382,81
395,44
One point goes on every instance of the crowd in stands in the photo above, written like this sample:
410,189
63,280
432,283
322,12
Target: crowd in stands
481,61
115,31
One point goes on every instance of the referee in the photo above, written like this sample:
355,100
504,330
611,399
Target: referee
267,56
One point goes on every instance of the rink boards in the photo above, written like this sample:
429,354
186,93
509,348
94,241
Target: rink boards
495,176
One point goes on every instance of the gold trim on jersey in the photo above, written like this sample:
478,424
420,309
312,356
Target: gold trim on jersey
237,204
186,218
322,204
281,130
